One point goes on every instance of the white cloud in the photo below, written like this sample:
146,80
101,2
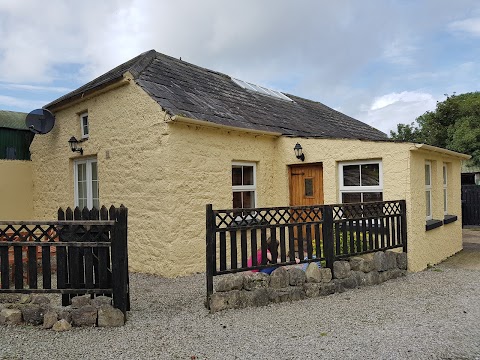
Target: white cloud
470,26
388,110
14,102
35,88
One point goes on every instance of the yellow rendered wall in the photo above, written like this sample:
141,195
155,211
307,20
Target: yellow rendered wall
16,190
166,172
127,135
433,246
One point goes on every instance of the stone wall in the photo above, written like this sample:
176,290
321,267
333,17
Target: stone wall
17,309
292,283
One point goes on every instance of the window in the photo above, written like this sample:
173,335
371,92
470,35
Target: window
84,125
445,193
86,184
361,181
244,185
428,190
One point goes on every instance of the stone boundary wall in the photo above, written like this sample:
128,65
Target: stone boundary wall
291,283
18,309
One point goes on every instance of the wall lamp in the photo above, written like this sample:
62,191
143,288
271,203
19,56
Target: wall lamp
73,142
299,152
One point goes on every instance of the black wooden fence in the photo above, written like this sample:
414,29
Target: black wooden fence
470,205
84,252
311,233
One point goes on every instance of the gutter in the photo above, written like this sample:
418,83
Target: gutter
189,121
426,147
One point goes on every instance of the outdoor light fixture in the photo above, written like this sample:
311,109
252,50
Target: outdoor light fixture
299,152
73,142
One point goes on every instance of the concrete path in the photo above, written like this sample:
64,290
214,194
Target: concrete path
469,257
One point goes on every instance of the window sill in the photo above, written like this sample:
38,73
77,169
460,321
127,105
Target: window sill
433,224
449,219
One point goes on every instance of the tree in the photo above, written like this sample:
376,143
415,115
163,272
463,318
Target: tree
454,125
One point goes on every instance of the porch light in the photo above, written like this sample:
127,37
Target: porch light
299,152
73,142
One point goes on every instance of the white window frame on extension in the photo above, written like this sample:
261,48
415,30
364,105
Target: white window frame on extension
84,126
445,190
245,188
428,190
345,189
90,186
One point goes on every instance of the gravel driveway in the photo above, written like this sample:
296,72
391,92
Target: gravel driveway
434,314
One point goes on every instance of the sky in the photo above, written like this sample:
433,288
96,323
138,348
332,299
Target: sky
383,62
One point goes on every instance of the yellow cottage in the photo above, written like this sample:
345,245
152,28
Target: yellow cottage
165,138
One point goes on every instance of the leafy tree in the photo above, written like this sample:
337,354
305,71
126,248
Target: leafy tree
454,125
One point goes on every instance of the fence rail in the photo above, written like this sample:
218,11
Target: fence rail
84,252
326,233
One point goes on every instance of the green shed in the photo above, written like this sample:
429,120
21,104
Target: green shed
15,137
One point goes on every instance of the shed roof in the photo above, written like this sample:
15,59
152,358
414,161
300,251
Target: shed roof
13,120
187,90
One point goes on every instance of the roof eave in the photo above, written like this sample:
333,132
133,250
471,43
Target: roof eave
441,150
114,83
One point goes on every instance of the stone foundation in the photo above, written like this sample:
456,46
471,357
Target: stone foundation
291,283
17,309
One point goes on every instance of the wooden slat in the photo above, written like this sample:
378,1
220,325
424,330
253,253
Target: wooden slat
18,267
223,251
4,268
243,247
46,268
32,267
253,247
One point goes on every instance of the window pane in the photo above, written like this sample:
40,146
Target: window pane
236,175
85,124
444,175
94,171
427,174
351,175
82,203
237,200
95,191
445,200
428,204
247,175
372,196
351,197
309,187
82,172
248,199
370,175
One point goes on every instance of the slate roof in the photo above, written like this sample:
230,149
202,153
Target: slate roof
13,120
188,90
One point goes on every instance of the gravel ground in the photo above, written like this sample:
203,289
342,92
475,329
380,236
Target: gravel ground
433,314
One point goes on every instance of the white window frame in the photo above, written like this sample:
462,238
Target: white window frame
240,188
85,135
88,167
428,190
361,189
445,188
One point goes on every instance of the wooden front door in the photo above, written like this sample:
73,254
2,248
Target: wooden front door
306,184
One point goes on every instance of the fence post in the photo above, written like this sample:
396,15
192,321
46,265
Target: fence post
120,261
403,207
327,230
210,251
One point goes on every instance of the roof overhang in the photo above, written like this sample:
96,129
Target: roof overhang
204,123
89,93
442,151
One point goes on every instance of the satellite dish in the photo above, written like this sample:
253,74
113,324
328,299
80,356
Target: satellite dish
40,121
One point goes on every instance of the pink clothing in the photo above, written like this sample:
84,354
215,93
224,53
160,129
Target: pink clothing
259,259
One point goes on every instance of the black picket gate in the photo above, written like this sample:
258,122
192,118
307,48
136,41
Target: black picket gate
86,249
471,205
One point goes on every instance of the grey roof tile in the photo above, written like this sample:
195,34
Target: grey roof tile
184,89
